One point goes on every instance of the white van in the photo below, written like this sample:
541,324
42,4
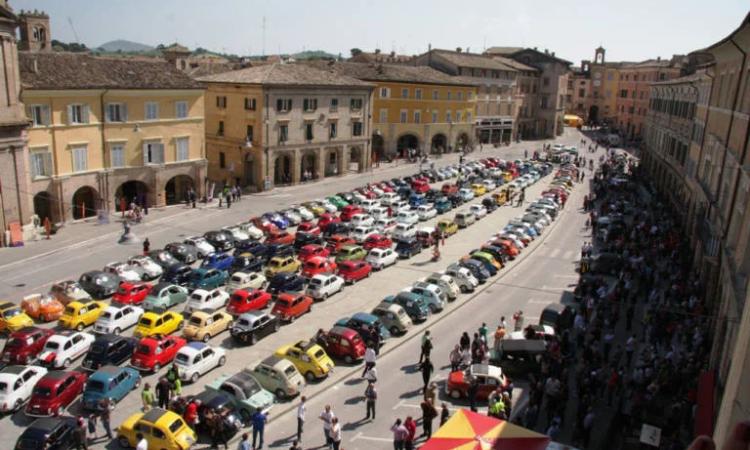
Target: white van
386,225
404,231
407,217
378,212
389,198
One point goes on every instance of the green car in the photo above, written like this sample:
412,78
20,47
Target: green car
244,392
163,296
487,258
338,202
351,253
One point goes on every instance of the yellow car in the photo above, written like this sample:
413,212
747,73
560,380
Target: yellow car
154,322
81,313
162,429
508,177
203,325
282,264
12,317
501,197
479,189
447,227
314,208
308,357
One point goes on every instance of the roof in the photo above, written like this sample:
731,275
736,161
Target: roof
502,50
378,57
13,370
486,369
545,53
207,69
392,72
342,331
515,64
109,338
44,425
176,48
524,345
242,379
198,346
473,60
278,74
272,360
154,414
106,372
745,22
62,71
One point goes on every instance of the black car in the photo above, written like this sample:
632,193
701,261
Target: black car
247,245
408,247
455,200
99,284
404,192
431,195
248,328
184,253
490,204
301,239
163,258
280,250
347,196
336,228
246,262
221,240
53,433
285,282
477,269
211,402
258,249
109,349
178,274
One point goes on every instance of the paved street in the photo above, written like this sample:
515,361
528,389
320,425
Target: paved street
541,275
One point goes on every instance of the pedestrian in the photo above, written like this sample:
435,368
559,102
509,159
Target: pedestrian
370,358
147,397
455,358
465,341
336,434
472,393
162,392
259,420
371,396
525,154
426,346
172,374
218,432
105,417
518,320
245,442
444,414
428,414
295,446
400,433
376,338
327,417
431,392
229,200
629,349
503,322
411,427
146,246
142,442
301,411
191,413
426,368
91,428
483,330
79,435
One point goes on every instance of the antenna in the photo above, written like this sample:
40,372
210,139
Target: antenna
70,21
264,36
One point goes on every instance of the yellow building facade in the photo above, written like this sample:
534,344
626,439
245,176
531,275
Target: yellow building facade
95,144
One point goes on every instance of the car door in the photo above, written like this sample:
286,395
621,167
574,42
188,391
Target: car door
262,328
27,384
78,345
207,360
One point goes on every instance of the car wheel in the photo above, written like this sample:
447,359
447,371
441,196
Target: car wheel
280,393
464,289
348,359
194,378
310,377
455,394
292,318
180,325
157,367
137,383
222,361
17,405
123,441
206,337
116,331
80,327
67,363
276,326
325,296
394,330
253,339
433,309
245,416
59,411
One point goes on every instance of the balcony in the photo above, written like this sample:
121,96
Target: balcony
708,238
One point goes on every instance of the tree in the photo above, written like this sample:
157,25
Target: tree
355,51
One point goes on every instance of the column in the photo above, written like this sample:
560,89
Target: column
296,169
320,162
342,161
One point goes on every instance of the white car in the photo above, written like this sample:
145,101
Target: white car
251,230
400,206
304,213
389,198
323,286
489,184
196,359
151,270
445,283
385,225
407,217
237,233
245,280
379,212
123,270
465,280
368,204
62,349
358,198
328,206
361,233
362,220
380,258
116,318
199,242
518,232
478,210
426,212
292,216
466,194
404,231
203,299
16,385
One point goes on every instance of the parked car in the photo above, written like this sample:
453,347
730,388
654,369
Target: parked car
466,281
352,271
342,343
81,314
164,296
322,286
54,392
116,318
407,248
179,274
280,237
17,384
246,300
201,299
351,253
63,348
163,258
464,218
131,293
109,383
99,284
24,346
246,262
278,375
414,306
197,359
337,242
245,392
364,324
318,265
249,327
393,317
445,283
123,271
205,324
488,378
285,282
218,261
377,241
290,306
432,294
380,258
154,352
108,349
12,318
168,430
186,254
157,322
221,241
207,278
309,358
202,245
282,264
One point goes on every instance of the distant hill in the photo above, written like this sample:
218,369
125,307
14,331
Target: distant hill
124,46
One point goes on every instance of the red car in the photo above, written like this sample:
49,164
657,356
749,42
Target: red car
420,186
280,237
318,265
326,219
508,247
488,377
131,293
385,188
369,194
309,227
312,250
243,301
154,352
377,241
54,392
449,189
23,346
343,343
265,225
290,306
349,211
352,271
337,241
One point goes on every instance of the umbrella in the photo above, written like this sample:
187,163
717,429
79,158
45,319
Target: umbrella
467,430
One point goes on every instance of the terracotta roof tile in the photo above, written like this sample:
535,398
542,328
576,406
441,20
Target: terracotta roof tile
285,75
473,60
394,72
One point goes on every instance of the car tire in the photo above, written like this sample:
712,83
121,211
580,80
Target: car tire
456,394
253,339
17,405
123,441
293,318
433,309
80,327
310,377
157,367
116,331
464,289
59,411
276,326
279,393
67,363
194,378
206,337
325,296
348,359
245,416
394,331
222,361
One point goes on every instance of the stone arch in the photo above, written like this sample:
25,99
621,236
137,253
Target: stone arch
406,142
132,191
84,202
331,162
378,148
43,206
282,170
176,189
462,142
308,165
439,144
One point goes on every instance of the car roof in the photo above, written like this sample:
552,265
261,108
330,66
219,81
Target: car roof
154,414
486,369
342,331
6,305
44,425
108,338
529,345
364,317
198,346
272,360
13,370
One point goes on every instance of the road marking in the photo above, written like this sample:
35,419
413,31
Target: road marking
369,438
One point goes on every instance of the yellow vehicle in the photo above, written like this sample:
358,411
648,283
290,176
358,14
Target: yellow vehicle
479,189
155,322
80,314
162,429
508,177
12,317
280,264
314,208
203,325
501,197
308,357
447,227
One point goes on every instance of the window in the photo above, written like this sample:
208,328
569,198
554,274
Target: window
357,129
623,93
581,93
309,131
332,130
220,131
182,148
434,116
39,115
222,160
181,109
383,116
117,155
221,101
334,107
152,110
355,104
403,116
309,104
417,116
78,114
250,104
418,94
458,116
459,96
448,95
468,117
405,93
448,116
117,112
153,153
385,92
80,158
41,163
545,81
435,95
283,104
249,133
635,77
283,133
610,75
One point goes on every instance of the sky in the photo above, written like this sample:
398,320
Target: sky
629,30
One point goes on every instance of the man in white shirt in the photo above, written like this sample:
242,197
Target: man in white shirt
370,357
327,417
142,442
301,410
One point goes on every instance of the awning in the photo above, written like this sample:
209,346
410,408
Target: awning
704,412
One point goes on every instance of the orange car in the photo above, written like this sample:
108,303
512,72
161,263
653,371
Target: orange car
507,245
337,241
42,307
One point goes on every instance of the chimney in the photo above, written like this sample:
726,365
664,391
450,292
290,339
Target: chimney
658,58
377,51
429,47
546,52
393,53
535,49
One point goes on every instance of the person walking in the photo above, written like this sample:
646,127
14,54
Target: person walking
336,434
431,392
105,417
444,414
426,346
327,417
148,397
229,200
191,413
79,435
218,432
472,393
295,445
370,357
400,434
411,427
259,420
245,442
455,358
518,320
371,396
426,368
301,411
428,414
146,246
91,428
162,393
465,341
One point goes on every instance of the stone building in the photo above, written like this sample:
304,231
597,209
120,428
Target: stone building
35,31
579,90
285,123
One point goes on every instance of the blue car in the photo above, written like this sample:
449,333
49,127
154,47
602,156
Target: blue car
361,323
285,282
277,219
417,200
109,382
218,261
442,205
207,278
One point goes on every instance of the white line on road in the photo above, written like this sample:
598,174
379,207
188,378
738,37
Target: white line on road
369,438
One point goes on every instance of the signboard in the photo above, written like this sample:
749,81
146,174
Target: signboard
650,435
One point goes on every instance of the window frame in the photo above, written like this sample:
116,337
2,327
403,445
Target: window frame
46,162
75,149
112,147
151,111
185,150
178,105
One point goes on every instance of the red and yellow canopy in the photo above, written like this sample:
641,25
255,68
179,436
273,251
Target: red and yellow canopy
467,430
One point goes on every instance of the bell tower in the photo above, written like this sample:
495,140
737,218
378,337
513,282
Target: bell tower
599,55
35,32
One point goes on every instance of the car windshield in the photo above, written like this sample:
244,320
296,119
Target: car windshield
12,312
143,349
95,386
69,310
42,391
106,315
51,345
145,321
27,444
17,342
182,358
319,354
123,291
244,323
98,348
316,281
